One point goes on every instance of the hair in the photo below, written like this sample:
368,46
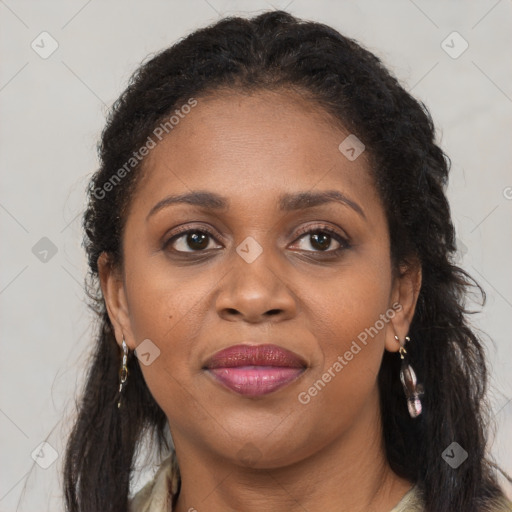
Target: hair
276,51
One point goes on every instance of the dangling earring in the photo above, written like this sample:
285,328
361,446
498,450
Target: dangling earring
123,372
412,389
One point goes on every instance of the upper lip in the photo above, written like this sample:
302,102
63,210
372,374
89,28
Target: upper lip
255,355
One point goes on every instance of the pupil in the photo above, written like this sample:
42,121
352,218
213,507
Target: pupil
323,238
195,242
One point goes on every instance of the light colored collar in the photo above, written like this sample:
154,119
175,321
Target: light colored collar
157,494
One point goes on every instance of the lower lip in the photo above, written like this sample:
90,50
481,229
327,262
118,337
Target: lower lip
255,380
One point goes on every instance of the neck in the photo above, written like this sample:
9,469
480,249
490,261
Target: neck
350,474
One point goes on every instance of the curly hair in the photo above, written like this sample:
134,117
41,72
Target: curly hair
275,50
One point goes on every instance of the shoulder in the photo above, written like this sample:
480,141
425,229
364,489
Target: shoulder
157,494
412,501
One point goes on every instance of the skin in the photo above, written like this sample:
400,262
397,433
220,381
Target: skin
250,148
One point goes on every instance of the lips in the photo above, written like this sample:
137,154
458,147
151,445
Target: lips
255,370
255,355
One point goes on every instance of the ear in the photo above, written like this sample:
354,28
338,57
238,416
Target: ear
113,288
404,295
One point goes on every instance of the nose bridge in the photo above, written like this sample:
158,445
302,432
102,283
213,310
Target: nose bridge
255,268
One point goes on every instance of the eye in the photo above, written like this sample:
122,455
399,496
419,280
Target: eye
321,238
190,240
195,240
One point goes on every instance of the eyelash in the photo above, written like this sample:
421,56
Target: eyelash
344,243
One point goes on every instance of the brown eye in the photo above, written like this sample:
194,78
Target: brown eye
192,240
321,241
322,238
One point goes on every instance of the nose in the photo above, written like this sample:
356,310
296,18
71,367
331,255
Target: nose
256,292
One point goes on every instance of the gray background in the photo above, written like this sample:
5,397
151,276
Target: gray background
52,112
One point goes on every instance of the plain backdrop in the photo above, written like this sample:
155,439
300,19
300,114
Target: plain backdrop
53,110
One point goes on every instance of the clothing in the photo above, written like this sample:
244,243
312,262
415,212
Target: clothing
156,495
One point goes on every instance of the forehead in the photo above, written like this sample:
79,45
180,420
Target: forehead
253,147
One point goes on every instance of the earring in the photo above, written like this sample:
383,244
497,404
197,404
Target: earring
123,372
412,389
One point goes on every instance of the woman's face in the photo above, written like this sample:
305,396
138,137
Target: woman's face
260,276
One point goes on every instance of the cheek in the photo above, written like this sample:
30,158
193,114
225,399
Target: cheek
351,315
164,301
352,299
167,306
169,319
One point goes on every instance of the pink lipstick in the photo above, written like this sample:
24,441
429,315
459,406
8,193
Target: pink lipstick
255,370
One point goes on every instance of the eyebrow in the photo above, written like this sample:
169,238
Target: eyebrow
287,202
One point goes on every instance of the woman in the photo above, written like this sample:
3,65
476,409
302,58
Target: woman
269,230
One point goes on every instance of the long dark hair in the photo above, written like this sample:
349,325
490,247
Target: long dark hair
275,51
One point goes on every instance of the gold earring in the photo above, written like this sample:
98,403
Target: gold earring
412,389
123,372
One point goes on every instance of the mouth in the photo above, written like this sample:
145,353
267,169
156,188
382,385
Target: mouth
255,370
